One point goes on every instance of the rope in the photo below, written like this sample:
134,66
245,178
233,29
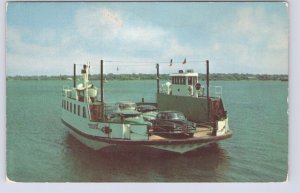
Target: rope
153,62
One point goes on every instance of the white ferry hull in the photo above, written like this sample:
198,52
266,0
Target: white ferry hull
97,145
93,144
172,145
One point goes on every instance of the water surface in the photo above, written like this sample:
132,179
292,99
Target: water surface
40,149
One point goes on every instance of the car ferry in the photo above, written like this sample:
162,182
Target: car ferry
98,125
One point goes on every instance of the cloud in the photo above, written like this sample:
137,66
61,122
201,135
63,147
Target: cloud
109,27
126,35
257,42
252,40
259,25
16,44
103,23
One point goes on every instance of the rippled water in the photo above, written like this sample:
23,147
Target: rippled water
39,148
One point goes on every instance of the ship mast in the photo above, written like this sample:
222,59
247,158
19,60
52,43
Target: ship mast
74,75
207,90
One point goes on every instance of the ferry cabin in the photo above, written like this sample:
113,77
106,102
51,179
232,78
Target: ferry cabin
185,84
185,94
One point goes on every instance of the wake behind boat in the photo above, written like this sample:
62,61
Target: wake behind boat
181,120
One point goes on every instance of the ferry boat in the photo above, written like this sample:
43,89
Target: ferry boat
98,125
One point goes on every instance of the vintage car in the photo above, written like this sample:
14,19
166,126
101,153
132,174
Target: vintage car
149,112
126,105
172,124
146,108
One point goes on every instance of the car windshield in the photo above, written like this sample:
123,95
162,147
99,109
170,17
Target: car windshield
176,115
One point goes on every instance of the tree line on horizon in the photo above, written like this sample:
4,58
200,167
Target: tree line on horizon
140,76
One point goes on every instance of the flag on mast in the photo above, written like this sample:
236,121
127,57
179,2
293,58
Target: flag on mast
184,61
171,62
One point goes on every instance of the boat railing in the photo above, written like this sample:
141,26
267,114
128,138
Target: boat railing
215,91
109,108
66,89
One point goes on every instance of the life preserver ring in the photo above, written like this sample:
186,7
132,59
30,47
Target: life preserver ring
198,86
106,130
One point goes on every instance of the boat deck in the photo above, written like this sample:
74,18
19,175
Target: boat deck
201,132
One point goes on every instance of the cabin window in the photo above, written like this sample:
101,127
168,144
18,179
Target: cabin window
67,105
190,80
78,110
81,95
178,80
174,80
71,107
74,108
183,80
83,112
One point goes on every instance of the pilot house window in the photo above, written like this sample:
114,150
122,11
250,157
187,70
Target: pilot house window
190,80
178,80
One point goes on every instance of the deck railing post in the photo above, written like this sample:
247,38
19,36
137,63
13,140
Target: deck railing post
101,91
74,75
207,90
101,81
157,78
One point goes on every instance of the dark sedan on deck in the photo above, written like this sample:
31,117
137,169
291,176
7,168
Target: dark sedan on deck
173,124
146,108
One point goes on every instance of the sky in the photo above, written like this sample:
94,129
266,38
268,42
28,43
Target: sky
47,38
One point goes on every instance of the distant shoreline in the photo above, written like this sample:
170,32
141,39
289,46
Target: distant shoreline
109,77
